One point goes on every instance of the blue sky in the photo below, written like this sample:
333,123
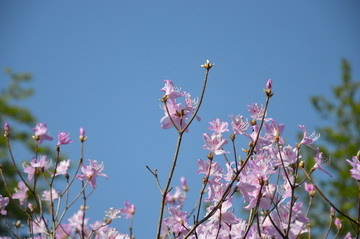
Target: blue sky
100,65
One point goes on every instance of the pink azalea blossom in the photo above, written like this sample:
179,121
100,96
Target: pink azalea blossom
218,126
38,226
238,124
223,217
309,139
274,131
43,164
76,221
320,161
63,138
348,236
171,91
178,198
128,210
257,111
4,201
215,143
288,155
176,113
63,167
203,168
91,172
355,171
47,197
176,221
309,187
112,213
29,170
41,133
21,192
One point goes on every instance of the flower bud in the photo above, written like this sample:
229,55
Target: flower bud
232,137
207,65
82,136
332,212
6,129
338,223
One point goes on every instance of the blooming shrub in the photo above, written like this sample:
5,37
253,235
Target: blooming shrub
266,177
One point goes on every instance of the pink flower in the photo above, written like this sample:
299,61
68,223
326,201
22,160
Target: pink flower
309,187
42,164
176,221
47,197
76,221
215,143
309,139
288,155
218,126
355,171
41,133
63,138
20,192
203,167
348,236
178,197
63,167
320,161
257,111
91,172
112,213
170,90
128,210
176,111
274,131
238,124
3,203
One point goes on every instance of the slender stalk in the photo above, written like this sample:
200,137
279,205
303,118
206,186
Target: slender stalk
200,101
203,190
178,144
327,200
329,227
166,189
154,173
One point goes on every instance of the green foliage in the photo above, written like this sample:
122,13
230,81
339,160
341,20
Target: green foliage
341,141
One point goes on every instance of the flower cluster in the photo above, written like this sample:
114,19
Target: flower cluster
176,113
33,199
267,180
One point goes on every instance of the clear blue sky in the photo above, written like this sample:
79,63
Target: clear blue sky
100,65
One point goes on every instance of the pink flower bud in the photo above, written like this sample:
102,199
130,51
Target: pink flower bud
63,138
309,187
82,136
269,84
338,223
6,127
183,184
